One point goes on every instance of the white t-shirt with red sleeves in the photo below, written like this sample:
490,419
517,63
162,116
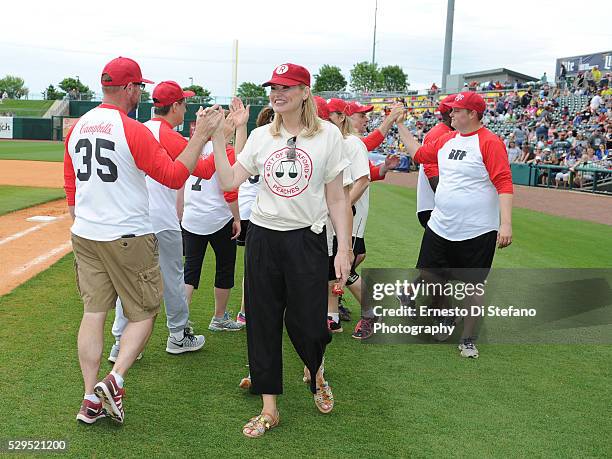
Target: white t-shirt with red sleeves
473,170
292,192
107,155
359,158
162,200
358,168
206,210
425,195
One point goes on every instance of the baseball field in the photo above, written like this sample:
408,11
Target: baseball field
516,400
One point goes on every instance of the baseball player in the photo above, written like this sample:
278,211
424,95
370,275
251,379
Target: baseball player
473,205
212,217
169,102
116,253
300,160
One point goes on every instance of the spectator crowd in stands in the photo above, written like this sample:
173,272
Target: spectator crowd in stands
567,125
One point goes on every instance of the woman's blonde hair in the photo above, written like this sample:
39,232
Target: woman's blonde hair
346,127
309,118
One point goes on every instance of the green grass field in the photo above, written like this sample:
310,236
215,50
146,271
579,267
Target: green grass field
19,197
32,151
26,108
391,400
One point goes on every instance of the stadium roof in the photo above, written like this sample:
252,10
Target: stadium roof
485,73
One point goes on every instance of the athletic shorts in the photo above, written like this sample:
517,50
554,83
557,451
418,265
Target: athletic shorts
127,267
244,228
424,217
225,256
476,253
358,249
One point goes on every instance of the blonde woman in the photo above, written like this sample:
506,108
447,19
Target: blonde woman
300,160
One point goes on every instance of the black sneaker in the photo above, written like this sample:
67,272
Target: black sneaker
345,313
334,327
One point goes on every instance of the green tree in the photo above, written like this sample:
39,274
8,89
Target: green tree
53,94
366,77
76,89
329,78
248,90
394,78
14,87
203,94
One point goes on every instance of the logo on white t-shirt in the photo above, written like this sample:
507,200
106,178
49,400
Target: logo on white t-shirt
288,177
281,69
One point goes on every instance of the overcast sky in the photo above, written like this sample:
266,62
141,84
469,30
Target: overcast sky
43,42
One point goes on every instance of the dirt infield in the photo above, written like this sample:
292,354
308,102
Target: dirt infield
562,203
32,173
27,248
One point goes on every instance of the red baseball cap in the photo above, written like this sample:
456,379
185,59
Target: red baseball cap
470,101
122,70
322,110
289,75
337,105
168,92
356,107
444,105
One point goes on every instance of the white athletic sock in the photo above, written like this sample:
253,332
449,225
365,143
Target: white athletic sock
178,336
92,398
118,378
335,316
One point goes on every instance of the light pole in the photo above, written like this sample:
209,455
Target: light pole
191,80
374,39
448,42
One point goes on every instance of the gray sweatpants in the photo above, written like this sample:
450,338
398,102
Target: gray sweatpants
175,299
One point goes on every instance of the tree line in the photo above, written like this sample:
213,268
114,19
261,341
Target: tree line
364,76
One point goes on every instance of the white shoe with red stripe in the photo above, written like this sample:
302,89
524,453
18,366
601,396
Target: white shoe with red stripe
111,395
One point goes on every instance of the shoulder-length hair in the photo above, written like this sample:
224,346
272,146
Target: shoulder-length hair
309,118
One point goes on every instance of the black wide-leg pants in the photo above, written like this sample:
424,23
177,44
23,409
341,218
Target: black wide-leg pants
285,277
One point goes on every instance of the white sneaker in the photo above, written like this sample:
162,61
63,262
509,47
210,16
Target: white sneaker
189,343
114,353
468,349
225,323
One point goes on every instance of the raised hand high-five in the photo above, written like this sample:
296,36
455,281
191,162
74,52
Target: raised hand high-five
239,113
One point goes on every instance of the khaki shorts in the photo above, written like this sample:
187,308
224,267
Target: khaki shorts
128,267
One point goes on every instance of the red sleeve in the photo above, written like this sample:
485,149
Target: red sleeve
373,140
495,159
175,143
230,196
431,169
428,153
69,176
375,173
151,157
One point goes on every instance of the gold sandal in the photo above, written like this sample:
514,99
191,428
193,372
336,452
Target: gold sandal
259,425
323,398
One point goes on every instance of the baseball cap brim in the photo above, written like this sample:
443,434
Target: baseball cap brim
460,105
188,94
364,109
282,81
144,80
